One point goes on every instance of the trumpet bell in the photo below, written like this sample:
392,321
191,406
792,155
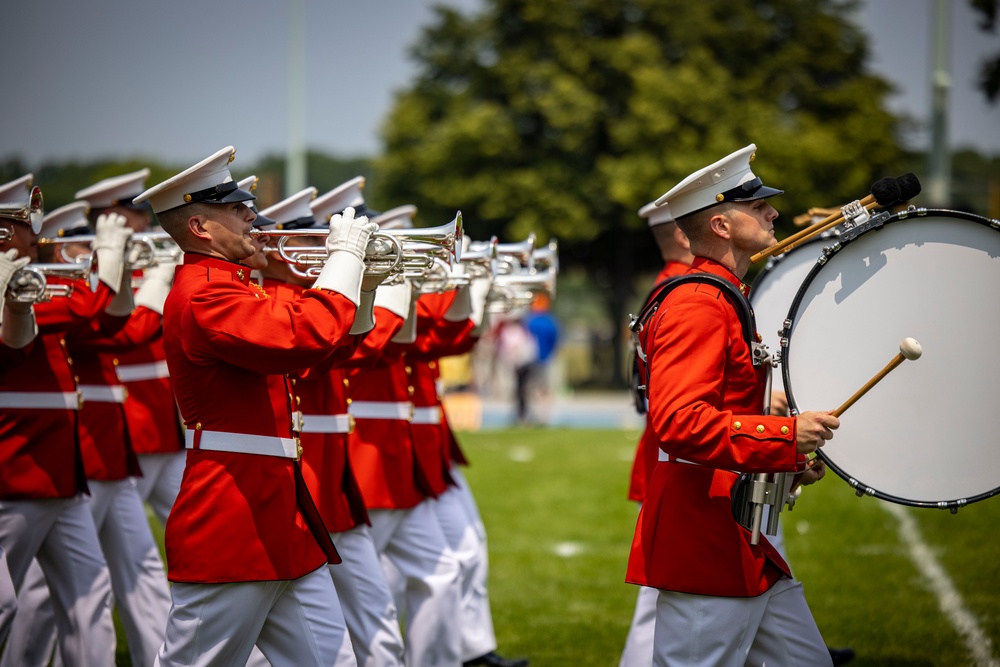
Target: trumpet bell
32,213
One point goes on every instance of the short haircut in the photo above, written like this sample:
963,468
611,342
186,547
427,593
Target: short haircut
695,225
174,220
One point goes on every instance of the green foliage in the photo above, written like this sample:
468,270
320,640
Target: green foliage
565,117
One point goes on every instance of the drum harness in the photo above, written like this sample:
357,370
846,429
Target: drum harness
751,491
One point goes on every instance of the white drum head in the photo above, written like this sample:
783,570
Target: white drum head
775,288
924,435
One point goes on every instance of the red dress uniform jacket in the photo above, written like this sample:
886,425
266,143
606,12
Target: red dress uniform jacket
150,411
321,392
436,337
648,451
239,516
705,403
39,446
381,449
104,437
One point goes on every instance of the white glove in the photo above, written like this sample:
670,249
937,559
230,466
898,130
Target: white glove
395,298
18,319
156,282
364,318
344,270
461,308
122,303
349,234
479,290
110,238
408,333
9,264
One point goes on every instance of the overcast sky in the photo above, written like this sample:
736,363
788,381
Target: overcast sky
175,80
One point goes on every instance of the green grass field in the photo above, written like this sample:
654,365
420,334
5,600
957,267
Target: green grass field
559,526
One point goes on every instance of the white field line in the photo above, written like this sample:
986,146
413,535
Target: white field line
949,600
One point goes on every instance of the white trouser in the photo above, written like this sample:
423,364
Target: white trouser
369,608
160,481
297,623
60,533
8,598
413,542
475,617
638,650
138,581
774,628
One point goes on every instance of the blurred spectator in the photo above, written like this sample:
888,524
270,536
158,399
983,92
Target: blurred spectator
534,381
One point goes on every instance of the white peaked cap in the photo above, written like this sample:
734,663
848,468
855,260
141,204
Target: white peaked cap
400,217
249,184
729,179
656,215
17,192
336,200
115,190
68,220
293,212
207,182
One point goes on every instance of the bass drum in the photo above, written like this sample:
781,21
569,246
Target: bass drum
923,436
776,285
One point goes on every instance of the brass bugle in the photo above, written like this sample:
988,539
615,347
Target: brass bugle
448,237
382,256
29,284
32,213
148,248
514,256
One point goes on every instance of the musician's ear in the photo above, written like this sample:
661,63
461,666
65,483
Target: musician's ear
196,226
720,225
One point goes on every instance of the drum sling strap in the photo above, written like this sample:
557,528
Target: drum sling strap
640,362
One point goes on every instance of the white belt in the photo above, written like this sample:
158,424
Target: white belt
428,415
138,372
55,400
381,410
242,443
101,393
663,456
327,424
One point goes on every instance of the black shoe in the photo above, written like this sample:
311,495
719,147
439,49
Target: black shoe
841,656
494,659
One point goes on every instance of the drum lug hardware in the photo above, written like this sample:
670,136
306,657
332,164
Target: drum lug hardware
995,223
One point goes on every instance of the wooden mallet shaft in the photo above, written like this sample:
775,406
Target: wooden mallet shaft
908,349
829,222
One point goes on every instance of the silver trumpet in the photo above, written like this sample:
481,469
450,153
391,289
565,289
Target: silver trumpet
512,257
146,248
30,285
31,213
517,290
397,251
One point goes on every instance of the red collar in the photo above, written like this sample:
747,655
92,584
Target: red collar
239,271
706,265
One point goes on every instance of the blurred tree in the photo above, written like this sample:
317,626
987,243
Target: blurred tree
563,117
989,73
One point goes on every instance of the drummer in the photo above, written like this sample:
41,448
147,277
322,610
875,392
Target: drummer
721,599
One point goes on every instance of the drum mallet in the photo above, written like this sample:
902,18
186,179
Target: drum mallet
908,349
884,192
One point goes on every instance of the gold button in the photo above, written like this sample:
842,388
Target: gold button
290,397
408,370
293,382
114,362
349,401
784,430
62,341
298,400
432,364
760,428
76,379
737,425
409,390
197,426
347,383
69,360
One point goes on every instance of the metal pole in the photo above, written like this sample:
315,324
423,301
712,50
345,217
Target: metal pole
295,160
939,167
